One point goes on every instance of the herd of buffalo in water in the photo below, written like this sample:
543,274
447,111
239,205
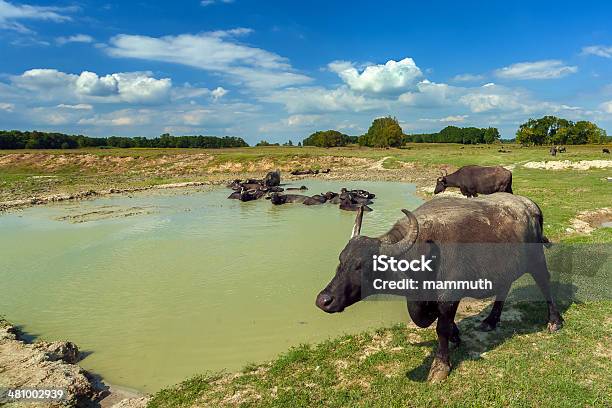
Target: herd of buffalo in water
471,181
269,186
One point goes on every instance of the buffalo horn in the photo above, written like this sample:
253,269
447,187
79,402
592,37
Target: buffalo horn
407,232
358,220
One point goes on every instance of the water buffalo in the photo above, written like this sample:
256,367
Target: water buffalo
474,180
235,184
562,149
272,179
309,171
250,195
442,226
304,172
553,151
298,188
234,196
605,151
279,199
348,205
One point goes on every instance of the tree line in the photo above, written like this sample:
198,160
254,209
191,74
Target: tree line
558,131
387,132
454,134
15,139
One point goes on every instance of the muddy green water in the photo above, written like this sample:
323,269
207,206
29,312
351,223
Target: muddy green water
191,282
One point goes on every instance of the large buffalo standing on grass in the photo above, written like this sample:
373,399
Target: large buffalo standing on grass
497,238
474,180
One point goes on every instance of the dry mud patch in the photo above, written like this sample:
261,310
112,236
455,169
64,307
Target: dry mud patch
566,164
106,212
588,221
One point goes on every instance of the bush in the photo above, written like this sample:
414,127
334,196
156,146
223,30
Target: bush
327,138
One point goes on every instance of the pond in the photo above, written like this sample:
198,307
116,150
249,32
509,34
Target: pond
160,286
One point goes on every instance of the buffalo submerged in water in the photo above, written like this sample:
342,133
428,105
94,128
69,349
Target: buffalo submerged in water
496,238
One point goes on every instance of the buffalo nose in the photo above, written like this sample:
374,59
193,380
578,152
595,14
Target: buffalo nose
324,300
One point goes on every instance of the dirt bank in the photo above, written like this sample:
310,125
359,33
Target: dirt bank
54,365
52,198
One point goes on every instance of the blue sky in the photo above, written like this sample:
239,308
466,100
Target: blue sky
281,70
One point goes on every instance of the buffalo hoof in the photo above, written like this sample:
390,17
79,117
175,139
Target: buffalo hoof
439,371
554,326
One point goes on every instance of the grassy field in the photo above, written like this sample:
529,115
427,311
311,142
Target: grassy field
520,364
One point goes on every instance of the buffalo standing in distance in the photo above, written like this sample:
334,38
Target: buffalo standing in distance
440,226
553,151
474,180
605,151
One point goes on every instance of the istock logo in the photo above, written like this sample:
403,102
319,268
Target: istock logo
383,263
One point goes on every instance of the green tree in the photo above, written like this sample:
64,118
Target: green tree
491,135
553,130
384,132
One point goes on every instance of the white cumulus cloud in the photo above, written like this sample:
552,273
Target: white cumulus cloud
390,77
7,106
599,50
77,38
606,107
215,51
491,97
319,99
78,106
428,95
447,119
131,87
218,92
546,69
206,3
468,77
11,15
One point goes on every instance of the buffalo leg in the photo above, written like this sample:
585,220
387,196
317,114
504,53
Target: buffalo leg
440,368
542,279
454,338
491,321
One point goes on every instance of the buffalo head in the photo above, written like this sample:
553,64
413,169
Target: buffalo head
356,261
441,183
277,198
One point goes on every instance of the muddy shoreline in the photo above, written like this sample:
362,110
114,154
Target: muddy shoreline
48,365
